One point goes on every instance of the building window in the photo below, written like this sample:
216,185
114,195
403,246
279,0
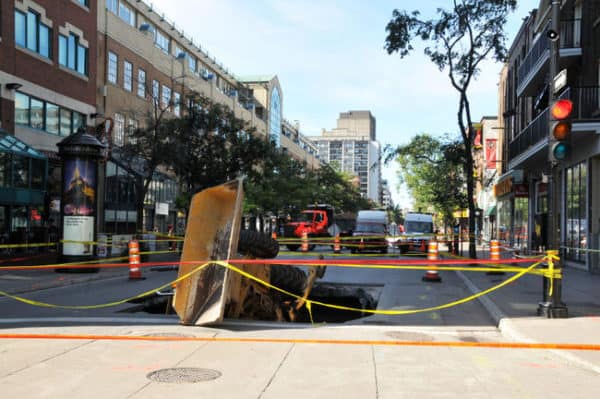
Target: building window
71,54
52,118
112,67
166,96
127,76
112,6
42,115
155,91
192,63
132,125
275,118
119,130
576,218
162,41
141,86
30,33
126,14
65,122
176,104
84,2
21,109
36,112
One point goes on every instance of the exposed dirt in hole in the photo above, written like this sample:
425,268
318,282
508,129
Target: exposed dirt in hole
346,295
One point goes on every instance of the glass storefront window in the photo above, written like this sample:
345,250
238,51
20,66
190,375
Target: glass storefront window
576,217
21,172
5,169
521,222
38,173
504,220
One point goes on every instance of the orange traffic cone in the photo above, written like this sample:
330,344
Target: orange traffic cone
336,244
135,273
304,246
432,254
274,235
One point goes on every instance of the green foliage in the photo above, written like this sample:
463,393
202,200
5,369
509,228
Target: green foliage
213,146
431,168
208,145
457,41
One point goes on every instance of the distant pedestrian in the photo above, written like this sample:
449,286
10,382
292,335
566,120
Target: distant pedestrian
171,233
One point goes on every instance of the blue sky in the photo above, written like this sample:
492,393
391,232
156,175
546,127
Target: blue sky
329,58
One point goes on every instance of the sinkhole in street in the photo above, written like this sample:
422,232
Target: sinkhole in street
356,296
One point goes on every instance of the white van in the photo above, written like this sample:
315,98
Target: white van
418,231
370,232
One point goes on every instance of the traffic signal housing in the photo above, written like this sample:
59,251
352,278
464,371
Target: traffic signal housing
560,130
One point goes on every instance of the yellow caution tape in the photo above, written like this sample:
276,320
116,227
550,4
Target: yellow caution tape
308,302
104,305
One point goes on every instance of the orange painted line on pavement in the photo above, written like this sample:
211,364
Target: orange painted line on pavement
502,345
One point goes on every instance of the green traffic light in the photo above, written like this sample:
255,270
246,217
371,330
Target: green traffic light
560,151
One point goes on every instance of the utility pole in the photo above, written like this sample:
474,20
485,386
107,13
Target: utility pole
552,305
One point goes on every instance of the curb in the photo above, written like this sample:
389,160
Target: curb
508,329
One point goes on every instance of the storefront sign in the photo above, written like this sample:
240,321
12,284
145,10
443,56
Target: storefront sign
503,187
521,190
162,208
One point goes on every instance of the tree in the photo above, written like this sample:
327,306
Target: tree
431,168
459,40
213,146
146,149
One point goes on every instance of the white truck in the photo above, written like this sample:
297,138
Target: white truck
370,233
418,231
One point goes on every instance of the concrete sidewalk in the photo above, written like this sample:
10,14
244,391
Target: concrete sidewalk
514,309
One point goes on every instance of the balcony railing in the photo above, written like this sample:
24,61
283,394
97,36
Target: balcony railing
536,131
570,37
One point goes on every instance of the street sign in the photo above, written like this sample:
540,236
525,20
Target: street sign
560,80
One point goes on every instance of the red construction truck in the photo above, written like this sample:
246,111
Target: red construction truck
316,221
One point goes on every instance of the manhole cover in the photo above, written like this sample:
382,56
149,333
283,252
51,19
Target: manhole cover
409,336
183,375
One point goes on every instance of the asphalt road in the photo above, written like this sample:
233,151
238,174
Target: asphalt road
392,289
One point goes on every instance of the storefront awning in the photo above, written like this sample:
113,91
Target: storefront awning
491,211
9,143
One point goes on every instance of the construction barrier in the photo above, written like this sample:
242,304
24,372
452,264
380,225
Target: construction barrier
495,250
495,255
464,265
304,246
135,273
433,255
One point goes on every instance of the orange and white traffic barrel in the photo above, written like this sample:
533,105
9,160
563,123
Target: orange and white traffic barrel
135,272
494,255
432,254
336,244
494,250
304,246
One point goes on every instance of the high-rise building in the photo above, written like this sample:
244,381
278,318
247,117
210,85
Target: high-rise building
352,147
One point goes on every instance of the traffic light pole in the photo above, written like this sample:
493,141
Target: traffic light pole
552,306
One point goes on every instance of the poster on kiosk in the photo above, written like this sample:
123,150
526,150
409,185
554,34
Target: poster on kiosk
79,206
